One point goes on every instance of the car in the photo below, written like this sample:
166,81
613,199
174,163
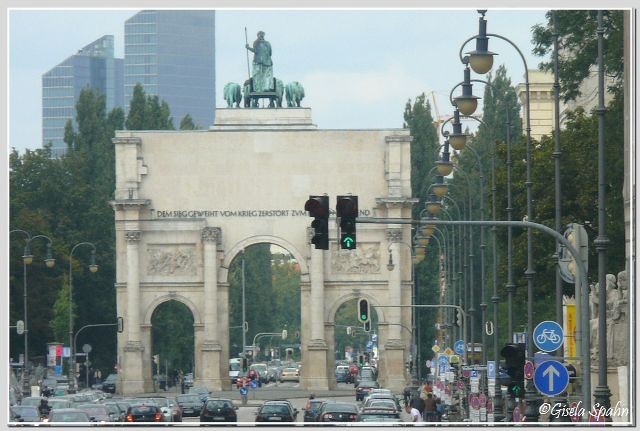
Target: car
341,375
116,412
363,388
235,368
60,403
25,414
290,374
31,401
109,384
188,380
191,404
98,412
144,412
276,411
201,391
273,374
261,369
312,409
382,403
338,412
369,414
165,406
69,415
218,410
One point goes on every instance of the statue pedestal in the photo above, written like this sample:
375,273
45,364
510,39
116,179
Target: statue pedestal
131,381
210,376
263,118
317,366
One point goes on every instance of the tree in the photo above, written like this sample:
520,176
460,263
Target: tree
579,46
146,112
187,123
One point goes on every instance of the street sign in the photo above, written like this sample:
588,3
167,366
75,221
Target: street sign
458,347
254,384
474,401
86,348
448,351
489,406
374,337
491,369
548,336
369,344
528,370
482,398
551,378
443,360
436,348
460,385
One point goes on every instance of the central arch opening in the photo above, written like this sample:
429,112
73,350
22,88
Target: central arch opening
264,301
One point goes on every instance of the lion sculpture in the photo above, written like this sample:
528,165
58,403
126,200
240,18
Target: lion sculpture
294,93
232,94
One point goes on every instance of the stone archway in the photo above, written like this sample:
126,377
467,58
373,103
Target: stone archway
183,212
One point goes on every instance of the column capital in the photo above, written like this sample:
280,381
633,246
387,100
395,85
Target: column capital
212,234
394,234
132,236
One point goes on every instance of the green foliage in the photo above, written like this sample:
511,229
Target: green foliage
579,47
187,123
60,322
347,315
172,336
146,112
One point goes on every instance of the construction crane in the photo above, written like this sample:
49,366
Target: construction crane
438,120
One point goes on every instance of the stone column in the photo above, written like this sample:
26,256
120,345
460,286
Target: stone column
393,346
210,357
317,346
134,349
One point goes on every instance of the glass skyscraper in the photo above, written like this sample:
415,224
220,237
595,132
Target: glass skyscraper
93,66
171,53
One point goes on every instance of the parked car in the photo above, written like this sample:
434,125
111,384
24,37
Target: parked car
312,409
369,414
31,401
338,412
363,388
290,374
144,413
116,412
24,414
218,410
109,384
276,411
69,415
191,404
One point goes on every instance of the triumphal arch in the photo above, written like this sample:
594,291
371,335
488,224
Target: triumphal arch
188,202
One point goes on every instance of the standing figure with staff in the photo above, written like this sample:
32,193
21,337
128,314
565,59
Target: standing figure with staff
262,66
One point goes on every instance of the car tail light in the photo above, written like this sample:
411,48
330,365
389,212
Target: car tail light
158,417
129,418
352,417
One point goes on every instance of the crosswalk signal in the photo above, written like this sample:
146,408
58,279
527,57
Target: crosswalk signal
363,310
459,318
318,207
514,356
346,213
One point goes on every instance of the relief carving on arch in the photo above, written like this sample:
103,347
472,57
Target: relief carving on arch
171,260
365,259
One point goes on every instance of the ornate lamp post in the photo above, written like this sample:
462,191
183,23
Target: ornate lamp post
481,61
27,259
93,268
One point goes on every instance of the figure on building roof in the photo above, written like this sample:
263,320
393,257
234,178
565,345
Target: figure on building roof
262,73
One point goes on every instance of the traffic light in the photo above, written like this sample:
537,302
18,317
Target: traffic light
363,310
367,326
514,356
156,359
318,207
346,213
459,318
244,365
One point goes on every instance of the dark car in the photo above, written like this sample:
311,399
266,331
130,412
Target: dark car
218,410
276,411
338,412
341,375
363,388
69,415
25,414
191,404
109,384
312,409
201,391
368,414
144,413
98,411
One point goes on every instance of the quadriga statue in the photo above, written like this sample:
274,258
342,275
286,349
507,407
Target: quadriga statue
232,94
294,93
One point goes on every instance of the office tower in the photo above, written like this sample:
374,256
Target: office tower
93,66
171,53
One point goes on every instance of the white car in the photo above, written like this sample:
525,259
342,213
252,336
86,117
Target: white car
289,374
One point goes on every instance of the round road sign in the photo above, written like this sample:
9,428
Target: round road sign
528,370
86,348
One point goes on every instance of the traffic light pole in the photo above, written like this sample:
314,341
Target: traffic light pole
582,330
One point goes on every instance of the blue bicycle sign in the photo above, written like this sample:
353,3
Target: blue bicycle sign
548,336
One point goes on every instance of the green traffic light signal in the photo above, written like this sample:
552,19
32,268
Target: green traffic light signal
346,214
363,310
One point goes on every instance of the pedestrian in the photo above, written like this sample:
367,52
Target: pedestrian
430,408
415,414
406,394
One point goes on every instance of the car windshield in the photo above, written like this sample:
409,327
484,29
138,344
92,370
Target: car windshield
341,407
188,398
69,417
218,404
234,367
111,378
27,413
161,402
141,410
274,408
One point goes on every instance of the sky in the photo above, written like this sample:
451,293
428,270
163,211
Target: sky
359,67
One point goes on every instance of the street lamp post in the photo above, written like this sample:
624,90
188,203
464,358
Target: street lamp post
481,61
27,259
93,268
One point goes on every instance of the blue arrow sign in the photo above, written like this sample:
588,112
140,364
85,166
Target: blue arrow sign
443,360
458,347
551,378
548,336
491,369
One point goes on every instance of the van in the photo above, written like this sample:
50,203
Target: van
235,367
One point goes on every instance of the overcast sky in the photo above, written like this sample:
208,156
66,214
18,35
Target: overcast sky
358,67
